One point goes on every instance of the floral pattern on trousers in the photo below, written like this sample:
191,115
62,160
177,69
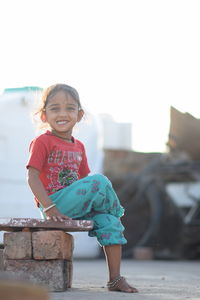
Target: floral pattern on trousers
93,198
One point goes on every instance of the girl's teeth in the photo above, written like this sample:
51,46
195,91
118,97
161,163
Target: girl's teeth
61,122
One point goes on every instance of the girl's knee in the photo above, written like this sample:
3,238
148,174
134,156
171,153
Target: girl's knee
108,221
101,178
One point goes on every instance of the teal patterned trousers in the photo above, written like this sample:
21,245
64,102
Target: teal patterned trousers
93,198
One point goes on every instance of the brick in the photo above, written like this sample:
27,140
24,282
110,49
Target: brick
54,274
1,259
69,274
52,244
16,290
17,245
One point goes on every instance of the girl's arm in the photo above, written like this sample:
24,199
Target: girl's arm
41,194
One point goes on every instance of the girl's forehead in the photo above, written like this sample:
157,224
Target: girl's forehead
61,98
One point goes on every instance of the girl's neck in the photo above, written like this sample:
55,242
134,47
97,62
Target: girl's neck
65,137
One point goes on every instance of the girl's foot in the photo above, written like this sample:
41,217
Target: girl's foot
120,284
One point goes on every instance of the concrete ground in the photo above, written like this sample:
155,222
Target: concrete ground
156,280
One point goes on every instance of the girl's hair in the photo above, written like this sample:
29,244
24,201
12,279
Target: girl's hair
52,91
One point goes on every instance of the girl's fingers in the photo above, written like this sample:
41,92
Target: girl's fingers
54,218
58,218
66,218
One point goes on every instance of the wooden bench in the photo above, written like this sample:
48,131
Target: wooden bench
41,250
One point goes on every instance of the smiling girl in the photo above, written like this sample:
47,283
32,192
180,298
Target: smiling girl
58,175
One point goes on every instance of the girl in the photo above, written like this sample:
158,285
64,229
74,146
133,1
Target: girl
58,177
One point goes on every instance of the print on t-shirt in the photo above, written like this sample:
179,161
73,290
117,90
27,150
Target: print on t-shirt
63,168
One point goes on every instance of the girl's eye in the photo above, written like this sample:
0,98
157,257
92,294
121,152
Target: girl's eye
54,109
71,109
57,109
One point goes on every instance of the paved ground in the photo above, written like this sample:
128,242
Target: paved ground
156,280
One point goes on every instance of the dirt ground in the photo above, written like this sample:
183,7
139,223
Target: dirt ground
156,280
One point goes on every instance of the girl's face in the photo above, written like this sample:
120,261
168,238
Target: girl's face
62,113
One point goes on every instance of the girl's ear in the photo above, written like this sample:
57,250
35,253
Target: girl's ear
43,117
80,115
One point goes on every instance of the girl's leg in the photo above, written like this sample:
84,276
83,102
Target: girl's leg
90,194
113,258
109,232
94,199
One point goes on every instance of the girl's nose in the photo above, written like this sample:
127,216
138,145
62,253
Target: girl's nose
63,112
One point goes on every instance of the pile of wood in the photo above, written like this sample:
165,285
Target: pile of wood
152,219
184,134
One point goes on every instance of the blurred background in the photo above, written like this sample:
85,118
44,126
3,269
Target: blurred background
136,67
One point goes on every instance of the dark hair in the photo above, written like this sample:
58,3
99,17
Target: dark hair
52,91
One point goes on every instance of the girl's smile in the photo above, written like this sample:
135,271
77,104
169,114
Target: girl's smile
61,122
62,113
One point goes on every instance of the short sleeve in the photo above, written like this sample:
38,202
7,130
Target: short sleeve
38,153
84,169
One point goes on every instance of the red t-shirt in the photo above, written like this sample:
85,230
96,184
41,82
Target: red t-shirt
60,162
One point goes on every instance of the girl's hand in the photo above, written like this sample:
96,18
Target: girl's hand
54,214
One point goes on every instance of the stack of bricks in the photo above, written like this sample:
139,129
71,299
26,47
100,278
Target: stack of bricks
43,257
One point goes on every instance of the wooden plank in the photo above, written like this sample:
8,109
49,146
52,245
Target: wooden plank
18,224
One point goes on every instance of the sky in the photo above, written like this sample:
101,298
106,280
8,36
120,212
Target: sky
130,59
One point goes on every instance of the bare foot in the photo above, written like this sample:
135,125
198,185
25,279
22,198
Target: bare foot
121,285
